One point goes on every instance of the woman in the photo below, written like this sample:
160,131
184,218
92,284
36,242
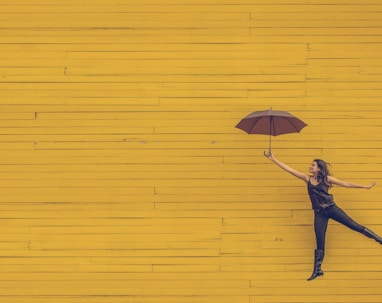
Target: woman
319,181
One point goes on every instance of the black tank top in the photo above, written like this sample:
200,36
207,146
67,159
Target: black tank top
319,196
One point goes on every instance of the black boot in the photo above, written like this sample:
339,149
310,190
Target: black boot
318,258
370,234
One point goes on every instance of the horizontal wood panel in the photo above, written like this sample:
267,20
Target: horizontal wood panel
124,179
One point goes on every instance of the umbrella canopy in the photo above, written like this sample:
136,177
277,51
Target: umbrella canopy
271,122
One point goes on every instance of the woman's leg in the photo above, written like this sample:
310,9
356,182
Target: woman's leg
340,216
320,226
368,233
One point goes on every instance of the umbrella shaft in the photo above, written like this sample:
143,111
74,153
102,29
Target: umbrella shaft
270,133
270,143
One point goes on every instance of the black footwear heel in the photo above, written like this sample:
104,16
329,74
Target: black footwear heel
318,258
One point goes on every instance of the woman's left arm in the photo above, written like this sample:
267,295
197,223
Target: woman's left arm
336,181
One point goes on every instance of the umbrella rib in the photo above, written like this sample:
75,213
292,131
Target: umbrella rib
290,123
254,124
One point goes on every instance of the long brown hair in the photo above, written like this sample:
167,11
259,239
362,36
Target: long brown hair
324,171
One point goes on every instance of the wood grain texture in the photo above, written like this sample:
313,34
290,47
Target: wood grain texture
124,180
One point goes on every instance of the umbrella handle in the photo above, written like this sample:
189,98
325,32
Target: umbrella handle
267,154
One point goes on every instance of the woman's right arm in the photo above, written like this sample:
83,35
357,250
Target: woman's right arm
287,168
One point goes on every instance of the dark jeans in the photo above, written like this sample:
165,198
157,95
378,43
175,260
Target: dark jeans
322,217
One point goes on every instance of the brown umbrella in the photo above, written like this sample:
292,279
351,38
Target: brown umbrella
271,122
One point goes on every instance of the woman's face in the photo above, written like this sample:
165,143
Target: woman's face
313,168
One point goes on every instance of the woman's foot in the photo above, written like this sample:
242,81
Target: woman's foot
318,258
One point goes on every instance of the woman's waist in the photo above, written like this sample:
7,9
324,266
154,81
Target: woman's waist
323,207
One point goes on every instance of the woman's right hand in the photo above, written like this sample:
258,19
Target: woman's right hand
268,154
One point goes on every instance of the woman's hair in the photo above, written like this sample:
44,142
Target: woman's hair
324,171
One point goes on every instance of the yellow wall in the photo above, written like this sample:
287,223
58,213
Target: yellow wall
124,180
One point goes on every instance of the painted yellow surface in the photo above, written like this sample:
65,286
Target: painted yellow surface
124,180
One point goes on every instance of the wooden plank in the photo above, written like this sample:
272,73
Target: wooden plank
152,6
124,179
